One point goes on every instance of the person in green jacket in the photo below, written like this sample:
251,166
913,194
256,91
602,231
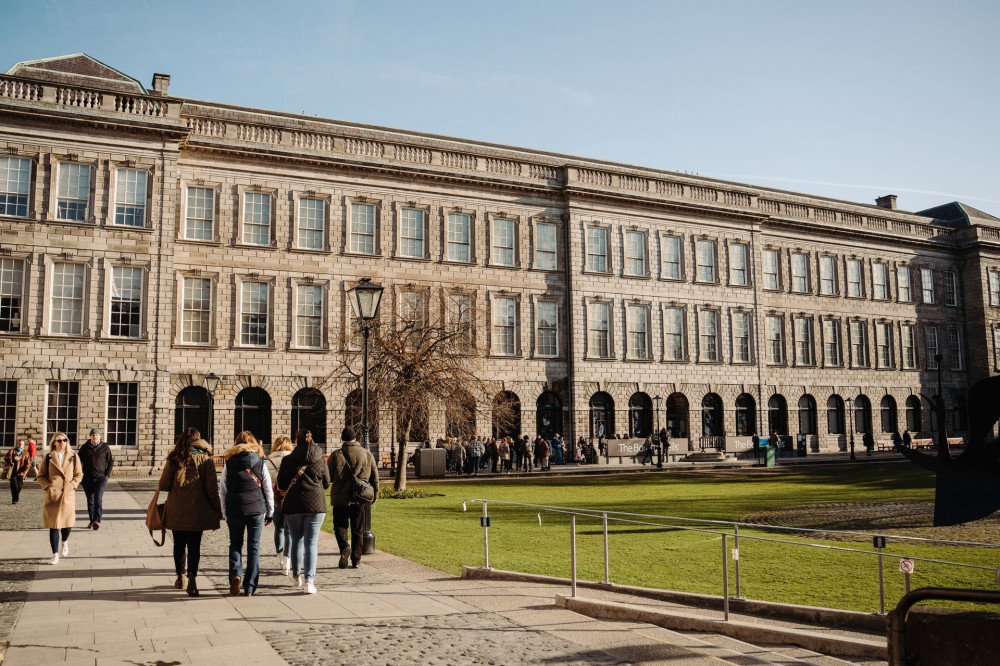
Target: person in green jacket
350,460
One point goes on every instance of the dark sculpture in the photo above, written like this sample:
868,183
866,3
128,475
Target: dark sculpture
968,486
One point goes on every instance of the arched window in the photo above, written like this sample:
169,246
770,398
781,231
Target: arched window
602,414
640,415
777,415
193,409
548,415
888,414
460,417
353,412
862,414
958,414
835,415
807,415
711,416
506,415
746,415
309,413
253,413
914,417
677,415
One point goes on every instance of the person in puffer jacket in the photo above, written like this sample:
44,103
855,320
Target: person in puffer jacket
247,505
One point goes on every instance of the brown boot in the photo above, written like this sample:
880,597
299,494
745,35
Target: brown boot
192,588
234,586
179,583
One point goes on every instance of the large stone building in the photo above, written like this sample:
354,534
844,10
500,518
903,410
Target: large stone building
148,241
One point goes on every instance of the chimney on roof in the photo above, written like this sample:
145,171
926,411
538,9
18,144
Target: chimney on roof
887,201
160,83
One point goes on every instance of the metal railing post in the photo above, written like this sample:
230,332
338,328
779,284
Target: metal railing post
486,538
725,577
572,552
736,547
607,567
881,583
907,576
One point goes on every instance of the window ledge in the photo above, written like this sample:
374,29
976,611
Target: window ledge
453,262
115,339
61,336
676,360
308,250
821,295
743,363
544,270
504,267
252,246
215,242
108,226
195,345
501,356
15,335
672,279
629,276
601,359
304,350
418,260
712,282
589,271
267,348
710,363
85,224
539,357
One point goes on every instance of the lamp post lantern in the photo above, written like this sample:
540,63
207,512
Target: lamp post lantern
659,437
850,415
365,298
211,383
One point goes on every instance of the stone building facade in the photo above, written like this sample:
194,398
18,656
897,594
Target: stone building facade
149,241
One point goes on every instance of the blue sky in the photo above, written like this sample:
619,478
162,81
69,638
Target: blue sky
844,99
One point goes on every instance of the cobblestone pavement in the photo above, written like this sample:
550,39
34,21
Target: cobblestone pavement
16,574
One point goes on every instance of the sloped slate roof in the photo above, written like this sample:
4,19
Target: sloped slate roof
958,214
78,69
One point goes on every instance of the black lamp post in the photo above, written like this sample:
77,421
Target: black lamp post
850,413
211,383
365,298
659,438
942,444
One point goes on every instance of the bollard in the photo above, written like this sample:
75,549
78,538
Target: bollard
881,583
607,568
736,546
572,552
907,577
486,538
725,578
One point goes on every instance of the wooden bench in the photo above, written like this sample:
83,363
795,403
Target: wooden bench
884,445
922,444
385,459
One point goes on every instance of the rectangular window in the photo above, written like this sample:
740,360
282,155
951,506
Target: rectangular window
196,311
256,218
15,186
548,329
995,288
672,258
459,245
62,409
931,346
599,325
927,286
673,334
955,349
597,249
803,341
908,341
950,288
504,325
411,233
130,197
705,261
73,195
709,335
255,311
11,295
638,332
199,223
355,334
545,246
309,316
8,413
903,284
831,343
741,337
123,413
738,259
67,299
854,276
503,242
828,276
883,345
859,344
311,224
413,310
635,253
770,260
126,302
996,346
880,281
362,233
460,316
775,340
800,272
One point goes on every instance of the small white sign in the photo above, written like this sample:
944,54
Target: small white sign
736,554
906,566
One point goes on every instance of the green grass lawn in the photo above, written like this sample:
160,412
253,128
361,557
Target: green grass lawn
435,531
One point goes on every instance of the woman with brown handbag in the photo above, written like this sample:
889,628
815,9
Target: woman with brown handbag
60,474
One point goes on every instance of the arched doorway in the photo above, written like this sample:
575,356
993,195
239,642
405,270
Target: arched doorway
253,413
807,415
746,415
711,416
309,412
862,414
777,416
549,415
677,416
460,417
506,415
193,409
602,415
914,416
640,415
888,409
835,415
353,413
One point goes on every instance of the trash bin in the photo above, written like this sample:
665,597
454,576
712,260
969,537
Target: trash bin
430,463
800,447
769,452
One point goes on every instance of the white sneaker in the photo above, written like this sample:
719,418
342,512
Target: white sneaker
281,560
65,550
296,580
55,558
287,568
310,588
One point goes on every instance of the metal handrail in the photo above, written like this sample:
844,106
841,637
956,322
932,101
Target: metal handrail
897,618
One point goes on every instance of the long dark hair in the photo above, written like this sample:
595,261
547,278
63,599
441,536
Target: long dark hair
304,438
181,455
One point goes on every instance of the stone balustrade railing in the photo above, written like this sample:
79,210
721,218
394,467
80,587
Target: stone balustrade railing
20,89
94,100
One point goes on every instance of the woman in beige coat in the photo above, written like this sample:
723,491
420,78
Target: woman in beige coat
59,475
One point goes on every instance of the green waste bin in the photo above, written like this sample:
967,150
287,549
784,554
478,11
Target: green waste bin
769,456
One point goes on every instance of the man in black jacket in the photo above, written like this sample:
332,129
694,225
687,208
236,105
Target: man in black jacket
349,462
97,462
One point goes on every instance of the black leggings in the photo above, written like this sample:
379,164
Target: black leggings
191,540
54,535
16,484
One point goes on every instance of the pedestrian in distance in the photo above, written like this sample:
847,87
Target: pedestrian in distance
529,454
647,451
504,452
897,441
349,463
17,462
33,453
59,476
494,454
459,456
907,440
578,451
869,442
282,537
193,503
303,478
247,505
543,453
755,441
97,462
476,451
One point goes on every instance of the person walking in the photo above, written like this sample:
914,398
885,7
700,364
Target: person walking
493,451
59,476
504,451
459,457
247,505
303,479
19,462
97,462
193,504
578,451
529,454
476,451
869,442
282,537
647,451
351,462
33,453
543,453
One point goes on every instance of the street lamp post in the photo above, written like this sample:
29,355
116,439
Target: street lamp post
659,437
365,298
850,413
211,383
942,444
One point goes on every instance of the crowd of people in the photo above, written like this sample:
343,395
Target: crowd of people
507,454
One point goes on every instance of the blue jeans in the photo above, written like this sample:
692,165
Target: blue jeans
282,536
305,537
253,526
